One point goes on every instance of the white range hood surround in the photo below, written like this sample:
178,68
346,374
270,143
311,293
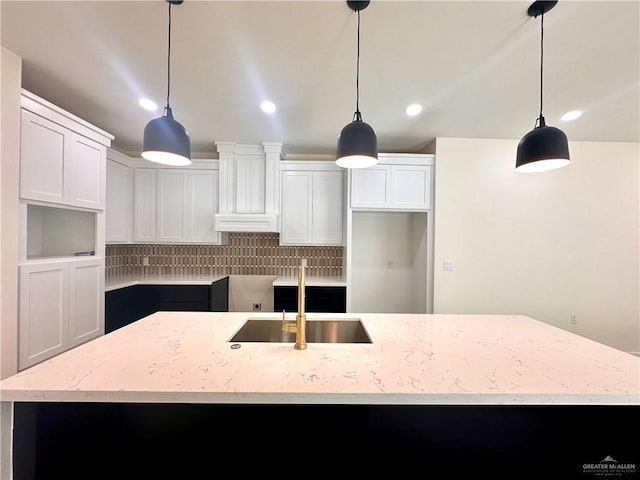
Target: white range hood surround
249,187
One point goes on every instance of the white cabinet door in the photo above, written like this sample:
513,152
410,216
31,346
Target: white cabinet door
61,306
86,301
410,187
144,205
370,187
327,205
118,202
312,206
85,171
296,211
44,312
202,205
42,149
171,206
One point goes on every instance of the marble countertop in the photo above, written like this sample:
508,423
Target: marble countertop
309,281
185,357
123,281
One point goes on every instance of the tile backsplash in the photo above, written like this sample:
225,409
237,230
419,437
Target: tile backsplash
246,254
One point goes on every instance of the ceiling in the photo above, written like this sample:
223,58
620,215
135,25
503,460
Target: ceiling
473,65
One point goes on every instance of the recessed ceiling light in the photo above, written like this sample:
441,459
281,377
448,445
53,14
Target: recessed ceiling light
413,109
572,115
148,104
268,107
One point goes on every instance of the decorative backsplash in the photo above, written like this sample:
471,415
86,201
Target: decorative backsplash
246,254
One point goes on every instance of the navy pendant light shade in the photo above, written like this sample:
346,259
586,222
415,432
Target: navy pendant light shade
357,143
165,140
545,147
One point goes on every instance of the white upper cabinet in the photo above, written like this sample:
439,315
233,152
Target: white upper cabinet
202,204
371,187
327,208
144,205
119,202
312,203
399,182
171,206
87,176
176,205
42,159
62,158
296,227
411,186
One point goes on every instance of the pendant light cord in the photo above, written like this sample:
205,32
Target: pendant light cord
540,117
357,116
169,62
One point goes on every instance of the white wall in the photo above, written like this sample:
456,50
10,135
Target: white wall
543,245
11,81
386,246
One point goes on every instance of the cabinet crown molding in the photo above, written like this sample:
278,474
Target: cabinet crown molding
44,108
249,149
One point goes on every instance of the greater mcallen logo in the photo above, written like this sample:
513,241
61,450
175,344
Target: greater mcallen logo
609,467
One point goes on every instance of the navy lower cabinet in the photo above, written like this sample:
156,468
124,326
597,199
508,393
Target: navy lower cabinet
126,305
179,298
198,441
220,295
317,299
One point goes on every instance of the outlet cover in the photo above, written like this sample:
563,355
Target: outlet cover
447,265
257,307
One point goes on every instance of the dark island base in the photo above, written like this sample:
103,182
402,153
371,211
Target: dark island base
194,441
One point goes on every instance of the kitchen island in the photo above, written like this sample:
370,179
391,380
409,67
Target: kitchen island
428,389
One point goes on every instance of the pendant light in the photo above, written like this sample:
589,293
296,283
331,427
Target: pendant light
544,147
165,140
357,143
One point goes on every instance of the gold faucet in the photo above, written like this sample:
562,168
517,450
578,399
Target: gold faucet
300,327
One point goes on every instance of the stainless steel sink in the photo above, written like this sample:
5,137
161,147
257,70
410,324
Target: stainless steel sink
318,331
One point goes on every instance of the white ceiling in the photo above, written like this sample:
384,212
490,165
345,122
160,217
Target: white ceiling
474,65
